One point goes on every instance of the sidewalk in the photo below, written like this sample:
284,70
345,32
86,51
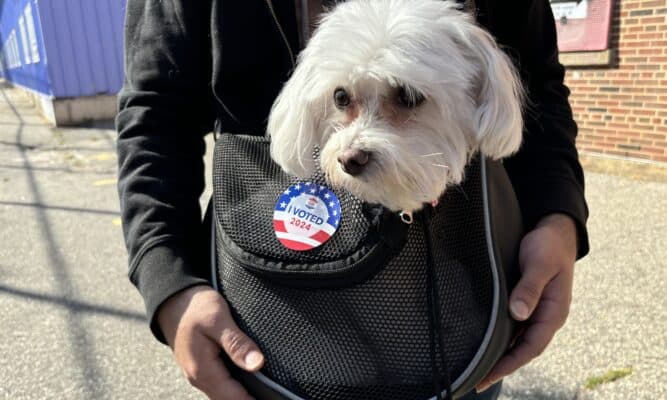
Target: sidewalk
72,325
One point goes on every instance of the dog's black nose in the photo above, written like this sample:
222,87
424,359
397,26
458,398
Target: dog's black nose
353,161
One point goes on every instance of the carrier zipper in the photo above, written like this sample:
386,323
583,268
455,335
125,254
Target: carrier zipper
434,312
269,3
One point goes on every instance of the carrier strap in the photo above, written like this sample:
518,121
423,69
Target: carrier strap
435,316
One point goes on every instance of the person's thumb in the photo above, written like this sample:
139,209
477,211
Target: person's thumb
239,347
527,293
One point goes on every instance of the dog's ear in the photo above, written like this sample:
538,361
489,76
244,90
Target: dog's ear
499,95
295,121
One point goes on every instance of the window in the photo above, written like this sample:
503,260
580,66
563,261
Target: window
583,31
32,33
13,51
24,41
17,53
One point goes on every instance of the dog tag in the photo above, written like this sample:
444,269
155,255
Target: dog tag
306,216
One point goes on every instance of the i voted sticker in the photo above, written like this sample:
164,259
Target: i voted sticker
306,216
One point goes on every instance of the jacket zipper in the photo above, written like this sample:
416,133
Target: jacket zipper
269,3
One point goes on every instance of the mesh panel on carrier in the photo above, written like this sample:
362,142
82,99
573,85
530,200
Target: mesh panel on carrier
365,340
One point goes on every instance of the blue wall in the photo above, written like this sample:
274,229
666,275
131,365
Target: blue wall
80,42
84,45
33,71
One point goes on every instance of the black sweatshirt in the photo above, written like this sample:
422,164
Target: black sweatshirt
193,66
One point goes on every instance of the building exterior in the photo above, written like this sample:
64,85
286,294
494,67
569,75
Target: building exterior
619,94
66,53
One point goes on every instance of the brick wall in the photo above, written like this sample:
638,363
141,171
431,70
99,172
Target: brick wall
622,109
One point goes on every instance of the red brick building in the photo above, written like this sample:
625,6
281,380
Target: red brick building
619,96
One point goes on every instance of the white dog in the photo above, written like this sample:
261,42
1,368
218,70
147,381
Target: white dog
397,95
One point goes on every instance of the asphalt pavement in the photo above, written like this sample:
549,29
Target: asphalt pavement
72,326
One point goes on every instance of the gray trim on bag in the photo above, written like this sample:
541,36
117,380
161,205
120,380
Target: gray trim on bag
214,256
268,382
496,282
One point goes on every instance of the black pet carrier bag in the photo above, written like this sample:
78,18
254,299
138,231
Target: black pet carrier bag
383,309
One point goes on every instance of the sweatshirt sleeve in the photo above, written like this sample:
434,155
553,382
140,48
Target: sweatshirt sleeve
546,172
165,111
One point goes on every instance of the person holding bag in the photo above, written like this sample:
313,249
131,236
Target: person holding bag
194,67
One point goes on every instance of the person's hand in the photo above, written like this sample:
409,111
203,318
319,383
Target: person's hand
197,323
543,294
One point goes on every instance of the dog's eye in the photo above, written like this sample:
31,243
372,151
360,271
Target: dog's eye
409,98
341,98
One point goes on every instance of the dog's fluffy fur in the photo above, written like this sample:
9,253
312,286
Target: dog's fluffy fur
378,51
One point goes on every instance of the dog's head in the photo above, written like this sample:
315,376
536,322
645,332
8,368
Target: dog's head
397,94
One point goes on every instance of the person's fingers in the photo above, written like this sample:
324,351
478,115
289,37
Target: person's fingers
195,321
204,369
239,347
527,293
548,318
543,294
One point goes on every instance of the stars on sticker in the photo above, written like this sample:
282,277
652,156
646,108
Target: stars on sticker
324,195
